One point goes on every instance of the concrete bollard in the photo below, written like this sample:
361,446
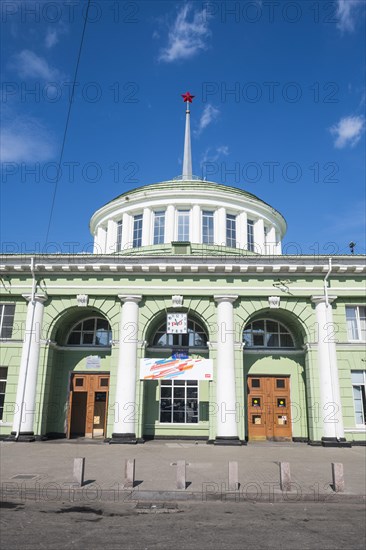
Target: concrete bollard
338,477
129,473
233,476
79,467
181,474
285,476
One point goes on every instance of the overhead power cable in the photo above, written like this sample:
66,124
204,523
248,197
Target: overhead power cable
67,123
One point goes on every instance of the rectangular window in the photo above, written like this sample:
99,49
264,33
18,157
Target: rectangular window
207,227
6,320
250,235
137,231
3,378
358,378
231,230
119,236
159,227
179,401
356,322
183,225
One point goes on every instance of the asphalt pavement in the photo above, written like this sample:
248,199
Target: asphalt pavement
43,471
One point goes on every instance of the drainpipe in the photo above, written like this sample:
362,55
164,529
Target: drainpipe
326,283
34,286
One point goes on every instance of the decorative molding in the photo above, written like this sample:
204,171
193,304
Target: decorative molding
82,300
177,301
274,302
226,298
320,299
136,298
37,297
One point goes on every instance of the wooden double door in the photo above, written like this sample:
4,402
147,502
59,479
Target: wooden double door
269,408
88,405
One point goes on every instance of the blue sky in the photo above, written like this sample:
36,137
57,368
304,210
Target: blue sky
279,111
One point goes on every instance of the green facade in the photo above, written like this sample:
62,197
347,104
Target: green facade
198,286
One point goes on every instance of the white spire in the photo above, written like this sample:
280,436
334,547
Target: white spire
187,157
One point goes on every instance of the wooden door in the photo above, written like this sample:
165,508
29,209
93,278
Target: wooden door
269,408
88,405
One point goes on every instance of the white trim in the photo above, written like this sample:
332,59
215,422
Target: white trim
356,307
274,351
309,290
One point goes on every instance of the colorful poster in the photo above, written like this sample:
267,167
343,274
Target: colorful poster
182,369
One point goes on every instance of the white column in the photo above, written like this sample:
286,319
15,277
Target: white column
241,230
126,232
111,237
220,222
271,240
331,406
146,227
169,223
196,230
278,246
124,425
100,240
227,417
27,380
259,236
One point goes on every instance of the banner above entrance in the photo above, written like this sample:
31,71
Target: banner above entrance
183,369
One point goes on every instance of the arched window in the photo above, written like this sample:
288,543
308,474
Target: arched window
94,331
266,333
196,337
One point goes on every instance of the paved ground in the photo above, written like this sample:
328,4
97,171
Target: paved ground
186,526
46,470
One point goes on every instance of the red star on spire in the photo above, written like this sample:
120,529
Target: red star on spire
187,97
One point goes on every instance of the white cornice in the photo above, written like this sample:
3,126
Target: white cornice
276,267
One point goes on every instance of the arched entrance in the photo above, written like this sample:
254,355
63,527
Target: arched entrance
274,371
77,386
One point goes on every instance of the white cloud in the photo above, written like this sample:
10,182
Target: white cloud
210,114
51,38
213,155
348,131
346,14
223,150
187,36
53,34
30,65
25,140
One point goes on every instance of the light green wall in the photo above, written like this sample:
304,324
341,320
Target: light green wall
296,310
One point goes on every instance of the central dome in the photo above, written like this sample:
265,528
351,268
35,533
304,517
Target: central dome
181,210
